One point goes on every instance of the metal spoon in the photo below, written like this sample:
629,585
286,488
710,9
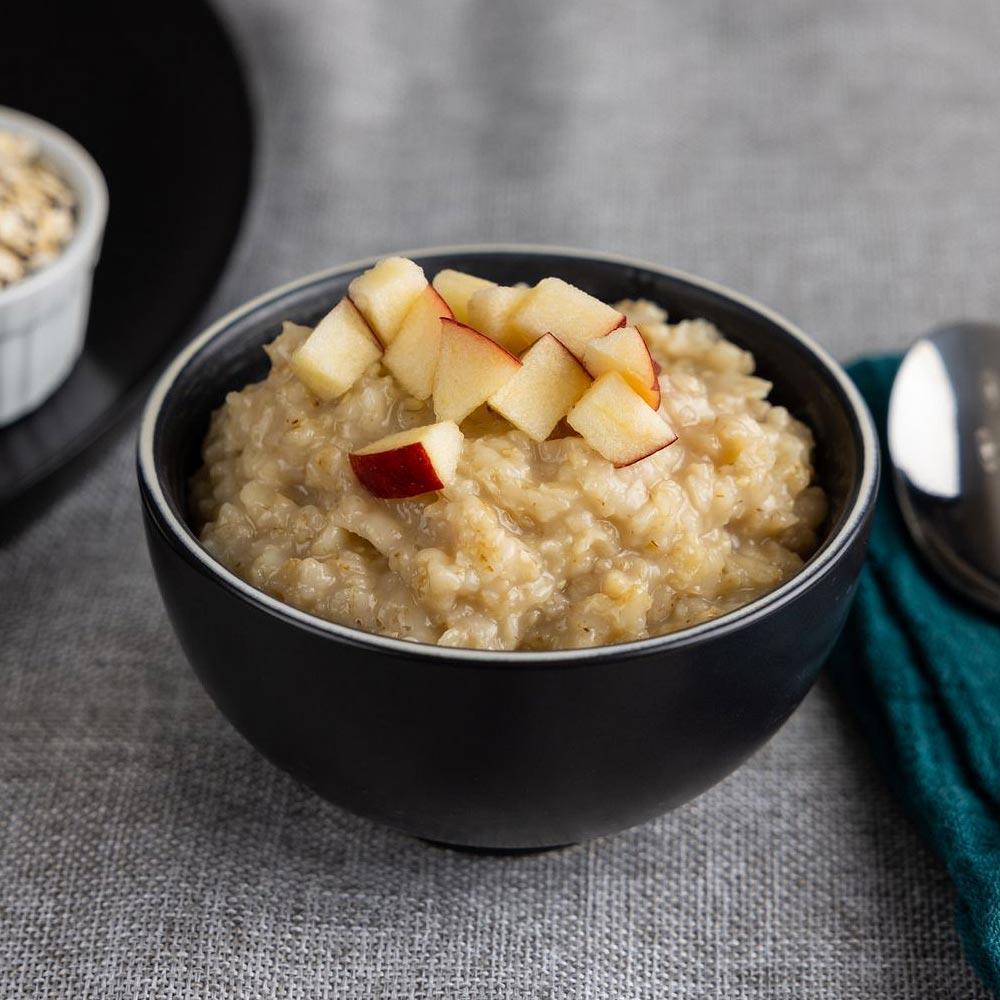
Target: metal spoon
944,444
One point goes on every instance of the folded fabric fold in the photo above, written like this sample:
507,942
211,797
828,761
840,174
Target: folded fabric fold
921,668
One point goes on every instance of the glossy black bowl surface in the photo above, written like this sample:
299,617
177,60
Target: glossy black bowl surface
506,750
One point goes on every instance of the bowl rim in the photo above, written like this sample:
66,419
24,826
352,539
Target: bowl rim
808,576
88,184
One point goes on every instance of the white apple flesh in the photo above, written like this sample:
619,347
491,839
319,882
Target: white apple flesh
457,288
471,368
336,354
567,312
624,351
538,396
409,463
617,423
385,293
489,312
413,355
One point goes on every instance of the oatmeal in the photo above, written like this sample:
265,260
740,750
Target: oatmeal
579,505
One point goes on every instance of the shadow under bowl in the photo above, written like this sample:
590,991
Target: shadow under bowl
490,749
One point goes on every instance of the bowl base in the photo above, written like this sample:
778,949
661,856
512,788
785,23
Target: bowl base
493,852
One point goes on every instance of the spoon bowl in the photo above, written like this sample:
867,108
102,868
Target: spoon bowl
944,444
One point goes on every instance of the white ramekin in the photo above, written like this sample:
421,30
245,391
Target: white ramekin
43,318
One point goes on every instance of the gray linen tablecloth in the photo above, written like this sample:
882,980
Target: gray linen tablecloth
838,160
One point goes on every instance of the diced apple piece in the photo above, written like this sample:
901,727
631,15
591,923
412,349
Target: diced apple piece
550,381
385,293
456,288
413,355
616,422
409,463
336,354
625,351
471,368
489,311
567,312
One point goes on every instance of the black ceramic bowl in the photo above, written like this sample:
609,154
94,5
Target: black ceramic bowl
505,750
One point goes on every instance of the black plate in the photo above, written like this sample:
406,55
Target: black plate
157,96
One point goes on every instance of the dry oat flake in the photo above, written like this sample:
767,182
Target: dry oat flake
37,209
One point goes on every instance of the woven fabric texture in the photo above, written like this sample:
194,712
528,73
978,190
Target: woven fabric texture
836,160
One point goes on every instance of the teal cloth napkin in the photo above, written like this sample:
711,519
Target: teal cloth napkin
922,669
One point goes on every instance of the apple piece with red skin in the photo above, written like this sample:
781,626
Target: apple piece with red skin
567,312
457,289
385,293
617,423
471,368
624,350
412,357
337,352
409,463
537,397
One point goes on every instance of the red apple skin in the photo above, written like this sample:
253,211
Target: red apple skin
654,384
371,329
639,458
398,473
443,306
471,332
